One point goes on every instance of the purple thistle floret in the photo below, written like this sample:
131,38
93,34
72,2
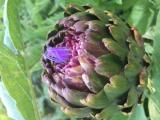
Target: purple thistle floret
58,55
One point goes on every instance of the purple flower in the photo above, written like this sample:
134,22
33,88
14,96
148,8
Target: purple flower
58,55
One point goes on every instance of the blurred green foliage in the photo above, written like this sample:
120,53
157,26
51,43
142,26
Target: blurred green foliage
29,21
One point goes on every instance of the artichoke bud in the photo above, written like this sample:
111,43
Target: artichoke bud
93,63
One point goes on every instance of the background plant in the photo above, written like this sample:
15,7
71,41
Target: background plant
23,28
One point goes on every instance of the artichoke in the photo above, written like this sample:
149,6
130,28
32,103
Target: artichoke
94,64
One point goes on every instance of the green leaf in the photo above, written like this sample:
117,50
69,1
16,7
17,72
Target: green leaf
120,2
138,113
12,24
154,110
154,104
9,103
33,53
150,33
12,36
148,48
78,2
17,84
141,15
157,2
36,67
128,3
31,8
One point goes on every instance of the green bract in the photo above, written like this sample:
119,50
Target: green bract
93,64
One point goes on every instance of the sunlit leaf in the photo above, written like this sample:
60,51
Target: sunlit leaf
12,25
9,104
18,85
154,109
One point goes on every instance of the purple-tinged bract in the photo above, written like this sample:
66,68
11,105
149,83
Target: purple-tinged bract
94,63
